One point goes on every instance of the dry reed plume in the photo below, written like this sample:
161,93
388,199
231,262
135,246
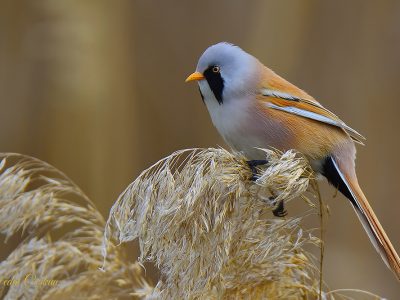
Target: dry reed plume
197,216
208,227
41,202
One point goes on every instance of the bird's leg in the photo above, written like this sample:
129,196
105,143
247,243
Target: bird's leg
279,210
253,164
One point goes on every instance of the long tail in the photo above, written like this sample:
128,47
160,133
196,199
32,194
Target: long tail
370,222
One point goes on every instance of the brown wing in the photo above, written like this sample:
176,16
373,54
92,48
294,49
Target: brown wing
282,95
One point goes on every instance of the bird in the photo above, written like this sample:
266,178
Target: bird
253,108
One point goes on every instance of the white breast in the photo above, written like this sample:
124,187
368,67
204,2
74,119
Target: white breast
241,126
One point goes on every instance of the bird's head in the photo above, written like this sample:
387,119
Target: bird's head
225,71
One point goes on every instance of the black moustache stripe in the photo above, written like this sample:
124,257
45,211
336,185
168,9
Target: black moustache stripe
216,83
201,94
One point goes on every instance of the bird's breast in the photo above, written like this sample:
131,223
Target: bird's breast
245,128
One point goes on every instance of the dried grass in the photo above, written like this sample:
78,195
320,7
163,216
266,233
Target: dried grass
40,201
210,230
196,214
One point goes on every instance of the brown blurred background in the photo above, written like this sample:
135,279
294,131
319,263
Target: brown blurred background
96,88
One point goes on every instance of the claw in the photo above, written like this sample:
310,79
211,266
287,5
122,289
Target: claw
253,164
280,210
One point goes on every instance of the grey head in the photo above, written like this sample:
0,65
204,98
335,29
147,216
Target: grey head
227,72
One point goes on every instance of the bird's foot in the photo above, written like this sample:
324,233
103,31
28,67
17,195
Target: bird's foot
253,164
279,210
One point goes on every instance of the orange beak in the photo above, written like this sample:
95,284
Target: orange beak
195,76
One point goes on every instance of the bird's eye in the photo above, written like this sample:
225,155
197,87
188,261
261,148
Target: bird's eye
216,69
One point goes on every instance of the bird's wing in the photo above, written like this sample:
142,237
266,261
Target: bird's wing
307,108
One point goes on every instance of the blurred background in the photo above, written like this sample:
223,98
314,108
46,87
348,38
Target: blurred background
96,88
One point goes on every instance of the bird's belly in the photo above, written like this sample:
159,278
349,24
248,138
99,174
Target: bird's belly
248,145
250,140
245,130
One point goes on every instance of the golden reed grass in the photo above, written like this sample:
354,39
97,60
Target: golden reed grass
38,200
196,214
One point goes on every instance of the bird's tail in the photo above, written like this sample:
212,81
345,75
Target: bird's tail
350,188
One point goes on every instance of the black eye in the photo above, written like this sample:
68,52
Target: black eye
216,69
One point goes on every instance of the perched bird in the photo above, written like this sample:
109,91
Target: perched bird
252,107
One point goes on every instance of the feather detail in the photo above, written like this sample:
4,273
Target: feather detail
307,108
